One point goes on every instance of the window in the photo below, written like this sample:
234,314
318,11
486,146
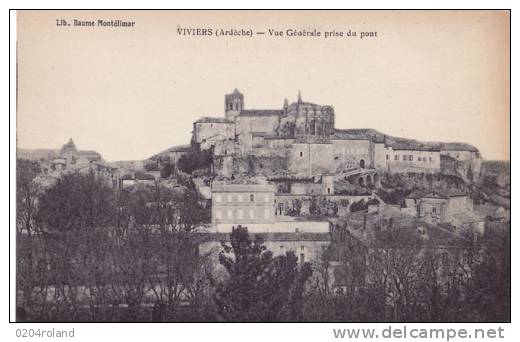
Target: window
387,157
430,159
251,214
251,198
302,258
266,197
240,214
410,157
302,249
434,210
296,230
301,154
229,214
396,157
419,159
404,157
218,214
218,198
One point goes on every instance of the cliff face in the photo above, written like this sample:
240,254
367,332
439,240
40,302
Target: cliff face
495,182
468,170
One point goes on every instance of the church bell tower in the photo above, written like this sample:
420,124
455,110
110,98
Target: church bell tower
234,103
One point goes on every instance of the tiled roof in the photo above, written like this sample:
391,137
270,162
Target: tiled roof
410,144
235,93
403,233
242,187
89,154
398,143
359,134
457,147
207,119
261,112
311,139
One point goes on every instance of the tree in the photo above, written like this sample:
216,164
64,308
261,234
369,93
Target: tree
74,218
30,261
195,160
27,192
173,215
259,288
359,206
77,201
490,287
151,166
167,170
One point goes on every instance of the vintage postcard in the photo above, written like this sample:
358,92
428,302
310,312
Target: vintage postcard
263,166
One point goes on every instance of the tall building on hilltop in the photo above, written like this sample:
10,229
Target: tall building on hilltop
234,103
69,149
301,138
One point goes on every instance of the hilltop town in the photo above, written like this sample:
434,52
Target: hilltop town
292,177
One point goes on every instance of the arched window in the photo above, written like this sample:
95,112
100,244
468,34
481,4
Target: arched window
251,198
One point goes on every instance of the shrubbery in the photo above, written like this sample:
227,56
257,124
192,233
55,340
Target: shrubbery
195,160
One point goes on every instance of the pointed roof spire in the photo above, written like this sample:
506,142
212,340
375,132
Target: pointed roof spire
71,142
299,96
285,103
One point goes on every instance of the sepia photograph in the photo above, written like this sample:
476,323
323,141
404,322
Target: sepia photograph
317,166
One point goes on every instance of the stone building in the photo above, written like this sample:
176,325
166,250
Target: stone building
251,203
467,158
171,155
207,131
445,206
234,103
361,235
304,134
57,161
244,204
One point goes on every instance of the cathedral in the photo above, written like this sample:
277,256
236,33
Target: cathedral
301,139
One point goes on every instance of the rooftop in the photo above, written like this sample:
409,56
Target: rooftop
207,119
437,193
261,112
244,187
398,143
455,146
391,228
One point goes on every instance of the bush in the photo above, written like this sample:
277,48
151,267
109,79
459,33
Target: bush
195,160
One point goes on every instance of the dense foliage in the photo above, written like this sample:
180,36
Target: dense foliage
195,160
86,252
260,287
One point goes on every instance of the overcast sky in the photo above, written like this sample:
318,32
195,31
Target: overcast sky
129,93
